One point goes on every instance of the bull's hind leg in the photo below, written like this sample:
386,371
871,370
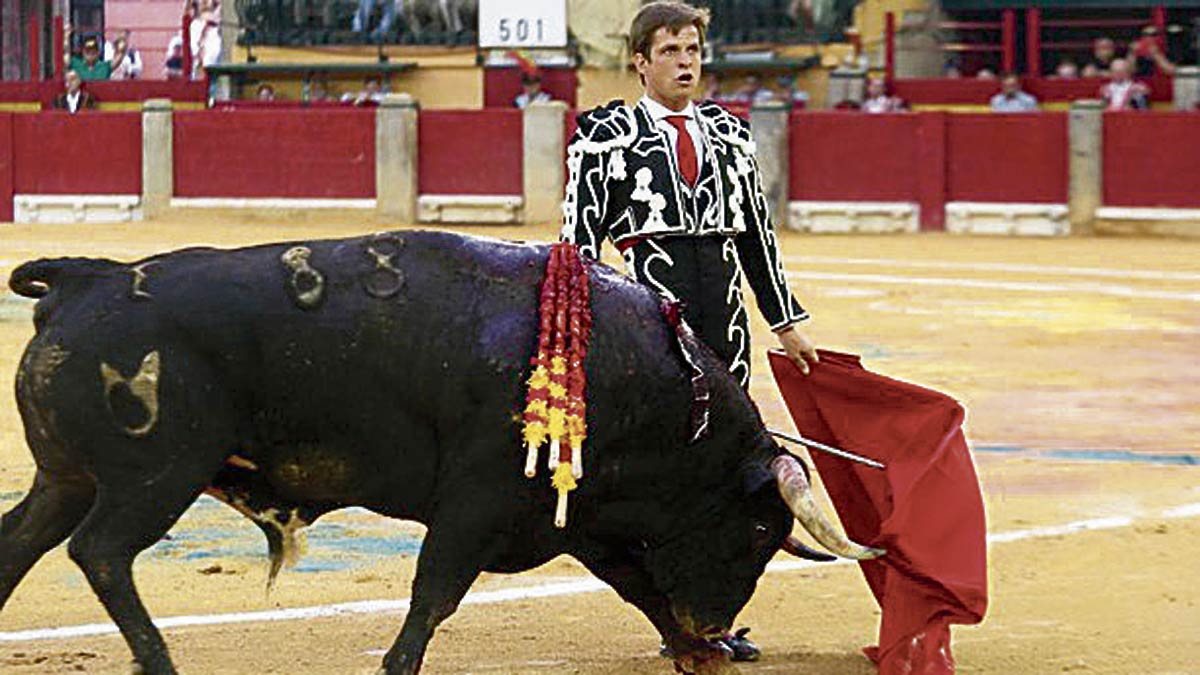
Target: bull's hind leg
50,512
129,516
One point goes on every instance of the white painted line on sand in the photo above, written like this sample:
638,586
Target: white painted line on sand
558,589
1109,272
1026,286
1185,511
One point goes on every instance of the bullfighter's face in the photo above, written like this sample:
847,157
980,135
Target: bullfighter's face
671,74
710,571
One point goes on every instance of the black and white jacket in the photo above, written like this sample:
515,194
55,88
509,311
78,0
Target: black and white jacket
624,183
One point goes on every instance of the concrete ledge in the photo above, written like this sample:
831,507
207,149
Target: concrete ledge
1023,220
269,203
496,209
846,217
1148,221
76,208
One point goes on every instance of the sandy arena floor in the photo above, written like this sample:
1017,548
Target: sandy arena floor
1075,358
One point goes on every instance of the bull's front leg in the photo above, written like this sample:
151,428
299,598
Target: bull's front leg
457,547
618,568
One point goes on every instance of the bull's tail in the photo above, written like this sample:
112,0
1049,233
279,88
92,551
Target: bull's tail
34,279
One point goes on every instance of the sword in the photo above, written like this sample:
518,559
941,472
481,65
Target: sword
838,452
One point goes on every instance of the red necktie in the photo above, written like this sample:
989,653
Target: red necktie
685,151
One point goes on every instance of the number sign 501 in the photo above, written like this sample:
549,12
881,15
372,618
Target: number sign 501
522,23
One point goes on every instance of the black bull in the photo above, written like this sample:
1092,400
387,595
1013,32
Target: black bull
386,372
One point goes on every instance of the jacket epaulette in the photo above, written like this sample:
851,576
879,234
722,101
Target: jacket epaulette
728,127
605,128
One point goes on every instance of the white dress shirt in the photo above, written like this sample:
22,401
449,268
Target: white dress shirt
659,112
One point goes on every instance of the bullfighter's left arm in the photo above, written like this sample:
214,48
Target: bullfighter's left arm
758,248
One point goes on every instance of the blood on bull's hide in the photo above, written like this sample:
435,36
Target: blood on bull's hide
290,380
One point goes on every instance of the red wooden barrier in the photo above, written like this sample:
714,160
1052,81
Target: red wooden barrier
59,153
6,167
266,153
931,169
470,152
1152,159
852,156
1007,158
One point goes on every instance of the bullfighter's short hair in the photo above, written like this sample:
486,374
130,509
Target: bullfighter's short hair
671,14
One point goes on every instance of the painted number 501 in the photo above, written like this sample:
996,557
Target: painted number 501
520,30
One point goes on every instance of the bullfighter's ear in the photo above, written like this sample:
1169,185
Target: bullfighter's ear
755,474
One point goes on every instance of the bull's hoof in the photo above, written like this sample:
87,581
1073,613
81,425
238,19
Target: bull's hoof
742,647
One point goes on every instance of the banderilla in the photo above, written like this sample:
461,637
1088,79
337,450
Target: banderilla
837,452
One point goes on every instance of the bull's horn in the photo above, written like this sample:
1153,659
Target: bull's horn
793,486
799,549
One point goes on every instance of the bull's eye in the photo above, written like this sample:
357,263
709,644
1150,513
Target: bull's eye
761,534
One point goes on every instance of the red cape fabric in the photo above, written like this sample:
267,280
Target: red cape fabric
925,509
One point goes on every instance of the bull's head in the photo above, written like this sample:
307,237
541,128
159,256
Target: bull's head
709,574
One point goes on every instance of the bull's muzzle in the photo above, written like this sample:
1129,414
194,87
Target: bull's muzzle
797,493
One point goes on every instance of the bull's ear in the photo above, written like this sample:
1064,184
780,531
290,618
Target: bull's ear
754,475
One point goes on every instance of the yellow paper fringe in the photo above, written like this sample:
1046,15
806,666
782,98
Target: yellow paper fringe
563,480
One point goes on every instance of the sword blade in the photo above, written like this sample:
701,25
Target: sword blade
837,452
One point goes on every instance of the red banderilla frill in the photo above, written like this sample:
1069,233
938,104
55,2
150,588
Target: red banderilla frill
555,405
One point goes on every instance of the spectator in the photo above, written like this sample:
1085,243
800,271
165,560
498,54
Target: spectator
265,93
132,55
318,92
90,66
1122,93
173,65
878,100
1066,70
120,61
531,91
363,16
1148,55
74,98
985,74
712,88
1011,98
371,95
951,70
787,91
752,92
205,33
1104,51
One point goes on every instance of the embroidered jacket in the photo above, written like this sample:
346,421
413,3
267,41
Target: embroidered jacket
624,183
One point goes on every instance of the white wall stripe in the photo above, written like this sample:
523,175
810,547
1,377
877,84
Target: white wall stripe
1155,275
558,589
1024,286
